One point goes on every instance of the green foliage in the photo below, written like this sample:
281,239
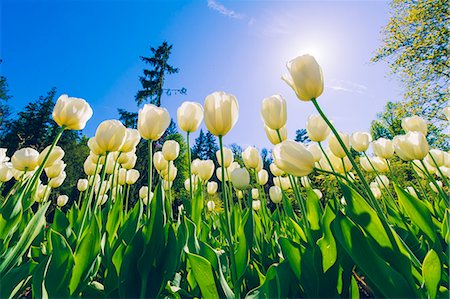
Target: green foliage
416,43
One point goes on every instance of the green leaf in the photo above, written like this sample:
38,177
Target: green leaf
32,230
293,253
203,274
431,272
113,220
327,244
197,206
13,281
417,211
244,245
384,278
314,211
84,256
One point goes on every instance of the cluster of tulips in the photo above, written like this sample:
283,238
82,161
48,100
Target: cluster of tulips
307,243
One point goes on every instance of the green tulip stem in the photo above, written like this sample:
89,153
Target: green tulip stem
227,216
79,198
419,182
127,194
149,172
169,189
302,207
96,203
279,135
189,164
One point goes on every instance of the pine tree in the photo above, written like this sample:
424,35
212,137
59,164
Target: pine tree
205,147
5,112
302,136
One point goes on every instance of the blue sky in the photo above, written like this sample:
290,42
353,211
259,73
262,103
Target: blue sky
91,49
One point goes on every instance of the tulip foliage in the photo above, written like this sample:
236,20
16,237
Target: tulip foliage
242,236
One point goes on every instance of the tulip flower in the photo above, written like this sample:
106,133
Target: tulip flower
205,170
3,157
274,112
251,157
89,167
376,192
433,187
293,158
415,124
275,194
110,135
56,154
447,112
211,205
6,172
25,159
275,170
72,113
82,185
42,193
62,200
170,150
110,165
103,198
211,187
314,149
383,148
166,184
306,77
132,138
227,157
412,146
263,177
232,167
159,161
221,112
190,115
436,157
240,178
274,136
143,191
239,194
169,174
255,193
187,183
94,147
194,166
382,181
317,129
219,174
153,121
336,147
58,181
340,165
306,183
283,182
412,191
55,170
360,141
256,205
132,176
101,187
122,176
318,193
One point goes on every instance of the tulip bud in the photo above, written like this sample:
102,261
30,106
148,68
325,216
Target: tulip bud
110,165
170,174
318,193
62,200
101,187
227,157
131,161
145,200
383,148
170,150
306,183
205,169
360,141
365,164
132,176
317,129
89,167
103,198
58,181
274,112
336,147
211,187
240,178
42,193
166,184
6,172
414,124
190,115
273,136
25,159
376,192
73,113
412,191
3,157
251,157
283,182
306,77
315,151
122,176
110,135
275,170
232,167
263,177
255,193
211,205
153,121
143,192
194,166
382,181
275,194
256,205
82,185
159,162
239,194
55,170
436,158
293,158
219,174
132,138
56,154
433,187
221,112
412,146
187,183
